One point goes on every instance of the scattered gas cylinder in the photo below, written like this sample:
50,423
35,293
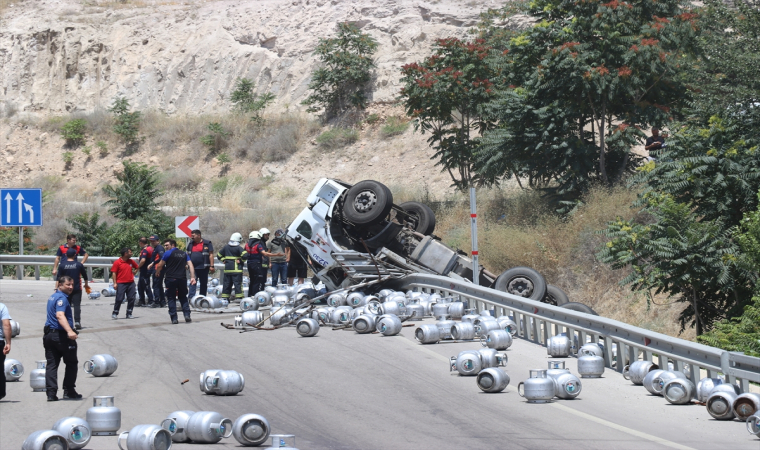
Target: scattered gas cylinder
178,425
470,316
252,318
281,316
108,292
145,437
384,293
482,327
37,377
678,391
425,334
507,324
76,431
215,281
720,404
224,382
568,386
251,430
590,349
210,302
556,368
341,315
440,309
492,358
353,299
249,304
456,310
388,325
539,388
497,339
705,387
444,325
666,375
13,370
365,323
753,425
307,327
282,442
492,379
104,418
397,308
746,405
467,363
590,366
336,299
263,298
93,295
208,427
463,331
101,365
45,440
638,370
15,328
558,346
416,311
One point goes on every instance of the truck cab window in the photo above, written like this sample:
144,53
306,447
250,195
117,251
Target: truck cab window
304,229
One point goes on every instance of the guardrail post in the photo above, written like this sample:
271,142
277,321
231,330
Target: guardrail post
633,354
533,328
608,353
662,362
696,373
518,323
620,356
678,365
1,271
20,272
37,273
545,329
89,273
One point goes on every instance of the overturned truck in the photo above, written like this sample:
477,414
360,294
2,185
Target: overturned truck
353,234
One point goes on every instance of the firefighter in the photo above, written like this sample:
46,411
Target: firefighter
232,256
257,258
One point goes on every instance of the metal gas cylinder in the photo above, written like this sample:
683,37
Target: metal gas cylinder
205,374
37,377
590,349
440,309
467,363
193,302
281,316
746,405
365,323
336,299
224,382
720,404
307,327
76,431
444,325
507,324
269,288
753,425
414,294
415,311
93,295
726,387
463,331
249,304
539,388
45,440
482,327
568,386
470,316
456,310
638,370
373,307
388,325
176,424
321,315
426,334
215,281
210,302
705,387
492,379
15,328
556,368
558,346
341,315
679,391
282,289
496,339
104,418
397,308
146,437
282,442
492,358
208,427
666,375
356,300
649,381
427,306
263,298
101,365
590,366
432,298
108,292
13,370
252,318
384,293
251,429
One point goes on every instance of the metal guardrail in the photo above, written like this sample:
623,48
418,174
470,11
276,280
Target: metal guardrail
538,321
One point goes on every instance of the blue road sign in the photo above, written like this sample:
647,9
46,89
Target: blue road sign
21,207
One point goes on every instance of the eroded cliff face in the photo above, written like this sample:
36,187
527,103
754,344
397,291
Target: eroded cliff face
65,56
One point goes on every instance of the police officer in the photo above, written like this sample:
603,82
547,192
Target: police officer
201,253
143,284
60,342
159,297
5,343
74,269
175,261
232,255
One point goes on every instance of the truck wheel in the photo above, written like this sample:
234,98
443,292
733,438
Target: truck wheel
555,296
580,307
523,282
424,217
368,202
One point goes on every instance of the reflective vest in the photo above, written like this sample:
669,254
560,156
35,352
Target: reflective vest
230,255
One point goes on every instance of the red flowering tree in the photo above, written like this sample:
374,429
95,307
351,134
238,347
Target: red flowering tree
442,94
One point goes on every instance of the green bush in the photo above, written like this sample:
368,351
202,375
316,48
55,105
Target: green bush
68,158
87,150
127,124
394,126
102,148
215,141
223,159
372,119
222,184
245,100
337,137
74,132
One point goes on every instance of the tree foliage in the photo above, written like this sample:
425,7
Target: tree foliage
246,101
127,124
341,83
73,132
215,140
135,196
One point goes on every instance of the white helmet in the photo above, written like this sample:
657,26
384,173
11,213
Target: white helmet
264,231
254,235
237,237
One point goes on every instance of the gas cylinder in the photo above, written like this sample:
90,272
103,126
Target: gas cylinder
666,375
282,442
558,346
208,427
45,440
263,298
365,323
556,368
104,418
341,315
720,404
269,288
281,316
384,293
482,327
249,304
352,299
388,325
214,282
108,292
178,425
251,430
224,382
590,366
496,339
427,334
590,349
568,386
539,388
427,306
415,311
15,328
37,377
753,425
507,324
470,316
705,387
638,370
746,405
252,318
492,358
678,391
456,310
492,379
356,300
336,299
145,437
649,381
13,370
76,431
463,331
440,309
397,308
444,325
467,363
93,295
307,327
101,365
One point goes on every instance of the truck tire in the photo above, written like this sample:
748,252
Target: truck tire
580,307
555,296
424,216
523,282
367,202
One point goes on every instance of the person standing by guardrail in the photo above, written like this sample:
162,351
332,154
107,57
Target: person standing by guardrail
159,296
123,272
74,269
5,343
71,242
176,261
143,285
60,343
201,253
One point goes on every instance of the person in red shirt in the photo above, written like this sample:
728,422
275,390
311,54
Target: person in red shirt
123,274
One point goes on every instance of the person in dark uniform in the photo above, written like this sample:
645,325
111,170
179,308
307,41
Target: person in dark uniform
232,255
123,271
159,297
60,255
201,253
175,261
296,264
5,343
60,342
256,251
74,269
143,283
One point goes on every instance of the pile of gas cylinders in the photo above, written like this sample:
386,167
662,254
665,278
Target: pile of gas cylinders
723,400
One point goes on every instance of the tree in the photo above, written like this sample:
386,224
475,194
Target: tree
135,197
341,83
246,101
579,87
214,141
443,94
73,132
127,123
90,231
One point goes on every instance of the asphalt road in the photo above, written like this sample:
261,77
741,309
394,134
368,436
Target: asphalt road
338,390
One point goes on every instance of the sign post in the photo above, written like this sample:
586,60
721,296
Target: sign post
184,225
474,227
21,208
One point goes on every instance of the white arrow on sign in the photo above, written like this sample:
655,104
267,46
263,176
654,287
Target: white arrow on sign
20,199
30,209
8,199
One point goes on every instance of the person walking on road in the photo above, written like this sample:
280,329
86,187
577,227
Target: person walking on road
279,261
232,255
60,342
296,263
143,283
74,269
123,272
60,255
159,296
201,253
176,261
5,343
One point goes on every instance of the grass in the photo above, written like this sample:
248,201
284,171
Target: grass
337,137
394,126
